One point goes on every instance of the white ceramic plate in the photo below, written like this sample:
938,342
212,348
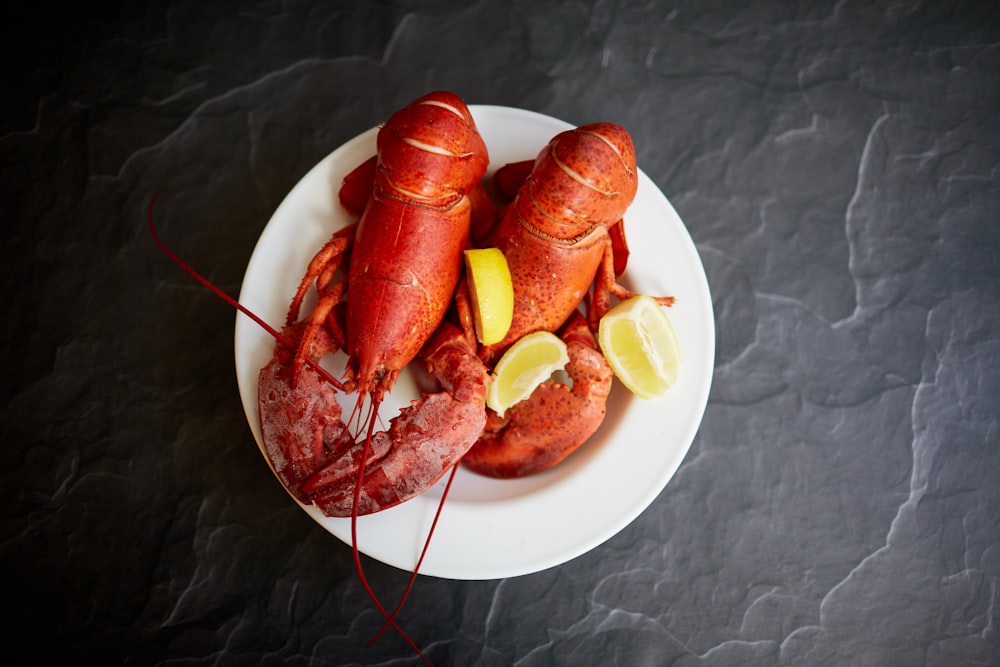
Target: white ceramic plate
502,528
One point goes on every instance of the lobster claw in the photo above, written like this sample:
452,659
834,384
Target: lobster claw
424,441
554,421
300,418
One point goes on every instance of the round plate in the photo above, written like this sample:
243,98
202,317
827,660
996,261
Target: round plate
502,528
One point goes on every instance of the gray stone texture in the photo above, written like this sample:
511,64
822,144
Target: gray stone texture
838,166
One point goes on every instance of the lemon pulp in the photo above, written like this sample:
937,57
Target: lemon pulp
639,343
529,362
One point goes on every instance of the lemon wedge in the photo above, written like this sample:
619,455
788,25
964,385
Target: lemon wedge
640,345
492,293
528,363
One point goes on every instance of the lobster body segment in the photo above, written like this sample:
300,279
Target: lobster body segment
430,151
582,178
404,269
555,232
549,278
407,254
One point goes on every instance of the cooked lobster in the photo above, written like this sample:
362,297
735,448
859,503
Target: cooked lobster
384,285
563,236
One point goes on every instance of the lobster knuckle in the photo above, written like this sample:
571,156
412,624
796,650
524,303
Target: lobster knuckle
509,178
484,213
591,374
455,365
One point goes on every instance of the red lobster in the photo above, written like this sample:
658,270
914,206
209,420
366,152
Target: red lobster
405,259
564,242
384,285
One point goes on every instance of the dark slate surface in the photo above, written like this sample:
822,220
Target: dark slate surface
837,164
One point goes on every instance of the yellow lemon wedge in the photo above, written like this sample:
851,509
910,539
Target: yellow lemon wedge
528,363
492,293
640,345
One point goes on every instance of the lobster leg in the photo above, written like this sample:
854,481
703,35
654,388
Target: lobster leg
356,189
321,315
484,214
556,419
606,284
423,442
619,245
324,263
509,178
322,269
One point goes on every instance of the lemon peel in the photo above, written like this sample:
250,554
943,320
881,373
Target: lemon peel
491,292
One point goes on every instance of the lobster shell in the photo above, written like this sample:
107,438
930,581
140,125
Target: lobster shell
407,254
555,233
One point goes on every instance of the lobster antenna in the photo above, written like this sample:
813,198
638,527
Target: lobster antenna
423,552
390,619
371,419
278,336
